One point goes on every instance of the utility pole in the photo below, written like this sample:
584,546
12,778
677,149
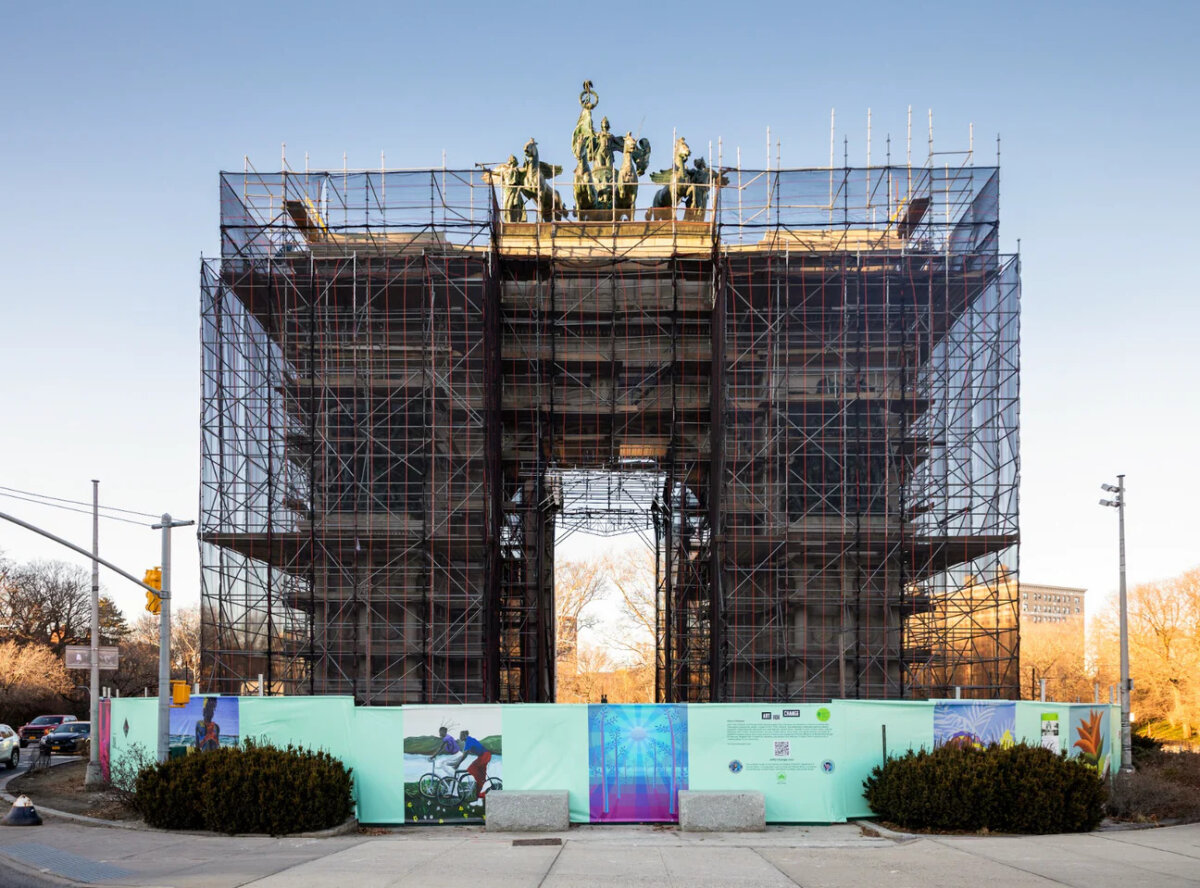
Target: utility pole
1126,687
94,776
164,637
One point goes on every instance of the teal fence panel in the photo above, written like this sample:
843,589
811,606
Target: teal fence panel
808,760
547,747
378,763
317,723
133,726
865,726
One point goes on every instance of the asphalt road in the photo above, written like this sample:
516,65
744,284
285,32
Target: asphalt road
27,759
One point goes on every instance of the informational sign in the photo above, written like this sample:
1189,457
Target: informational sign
789,753
1050,739
79,656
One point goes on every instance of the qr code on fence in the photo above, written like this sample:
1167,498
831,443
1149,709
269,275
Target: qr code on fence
783,748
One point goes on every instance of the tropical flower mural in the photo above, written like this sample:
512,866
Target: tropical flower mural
974,722
1091,732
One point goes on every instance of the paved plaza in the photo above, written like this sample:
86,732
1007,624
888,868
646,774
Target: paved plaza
64,853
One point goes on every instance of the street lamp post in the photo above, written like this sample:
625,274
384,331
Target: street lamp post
1126,684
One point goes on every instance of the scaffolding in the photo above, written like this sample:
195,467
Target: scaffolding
803,397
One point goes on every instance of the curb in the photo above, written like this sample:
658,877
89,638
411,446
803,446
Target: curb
63,815
343,829
871,827
1129,825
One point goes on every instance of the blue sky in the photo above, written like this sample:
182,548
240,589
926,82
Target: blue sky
118,116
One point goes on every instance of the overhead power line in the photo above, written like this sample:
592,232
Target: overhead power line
66,508
60,499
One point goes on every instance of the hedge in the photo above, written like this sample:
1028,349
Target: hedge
255,788
1013,789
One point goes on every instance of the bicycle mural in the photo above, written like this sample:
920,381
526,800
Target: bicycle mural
452,760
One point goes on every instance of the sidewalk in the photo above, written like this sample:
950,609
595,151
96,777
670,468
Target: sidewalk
63,852
69,853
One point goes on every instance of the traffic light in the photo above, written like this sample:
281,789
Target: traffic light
180,693
153,578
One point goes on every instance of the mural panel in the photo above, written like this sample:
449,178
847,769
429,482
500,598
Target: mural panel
974,722
637,761
205,723
452,760
1089,736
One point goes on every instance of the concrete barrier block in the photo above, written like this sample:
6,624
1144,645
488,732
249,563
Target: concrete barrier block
712,811
527,811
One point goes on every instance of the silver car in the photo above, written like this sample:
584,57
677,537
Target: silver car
10,747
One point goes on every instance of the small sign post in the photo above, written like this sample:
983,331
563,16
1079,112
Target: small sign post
79,656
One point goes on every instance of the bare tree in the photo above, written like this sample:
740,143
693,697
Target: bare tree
1056,652
632,574
599,678
185,644
583,684
622,667
1164,653
185,641
137,671
33,680
46,602
577,584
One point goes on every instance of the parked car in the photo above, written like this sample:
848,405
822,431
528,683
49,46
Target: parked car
41,726
10,747
67,739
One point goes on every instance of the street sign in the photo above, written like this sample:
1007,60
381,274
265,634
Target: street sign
79,656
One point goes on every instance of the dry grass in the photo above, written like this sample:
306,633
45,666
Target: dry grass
61,788
1165,786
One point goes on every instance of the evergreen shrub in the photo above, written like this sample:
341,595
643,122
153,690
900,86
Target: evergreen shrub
255,788
1013,789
